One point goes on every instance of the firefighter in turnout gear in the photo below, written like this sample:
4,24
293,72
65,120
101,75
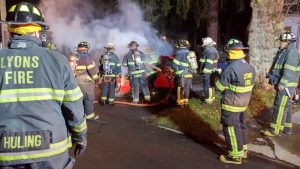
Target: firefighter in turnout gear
284,76
152,59
110,68
86,73
135,60
183,72
38,83
208,64
236,84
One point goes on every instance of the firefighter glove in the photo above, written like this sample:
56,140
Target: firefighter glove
79,148
280,87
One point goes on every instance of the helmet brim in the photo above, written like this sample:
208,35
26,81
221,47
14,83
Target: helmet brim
43,24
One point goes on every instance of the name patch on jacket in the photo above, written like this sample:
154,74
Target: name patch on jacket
24,141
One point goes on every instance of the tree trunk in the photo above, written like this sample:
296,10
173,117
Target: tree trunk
213,20
265,26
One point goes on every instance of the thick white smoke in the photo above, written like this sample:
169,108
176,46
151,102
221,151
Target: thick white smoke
72,21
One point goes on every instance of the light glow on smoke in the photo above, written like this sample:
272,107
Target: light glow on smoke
72,21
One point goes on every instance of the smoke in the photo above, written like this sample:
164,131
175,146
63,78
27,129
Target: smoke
73,21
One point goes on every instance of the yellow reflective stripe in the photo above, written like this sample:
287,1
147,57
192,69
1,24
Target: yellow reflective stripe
95,77
118,64
80,67
111,100
36,11
210,61
220,86
152,72
137,72
179,72
280,114
90,116
289,84
72,95
184,64
202,60
277,66
153,61
103,98
234,109
290,67
112,75
90,66
289,125
188,76
215,61
176,62
24,8
205,70
55,149
80,127
31,94
131,63
112,64
240,89
233,142
12,9
147,97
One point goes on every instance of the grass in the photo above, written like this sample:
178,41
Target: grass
209,114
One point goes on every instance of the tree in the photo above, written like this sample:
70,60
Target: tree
213,19
266,24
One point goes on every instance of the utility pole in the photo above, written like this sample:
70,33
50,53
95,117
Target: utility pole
4,33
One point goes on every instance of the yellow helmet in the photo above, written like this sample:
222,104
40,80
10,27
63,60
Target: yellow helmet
25,18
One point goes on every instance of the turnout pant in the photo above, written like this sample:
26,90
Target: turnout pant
138,81
184,85
235,132
87,89
282,112
108,89
209,90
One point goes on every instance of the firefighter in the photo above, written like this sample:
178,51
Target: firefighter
284,76
183,71
135,61
208,64
152,69
51,45
236,84
110,68
86,73
38,83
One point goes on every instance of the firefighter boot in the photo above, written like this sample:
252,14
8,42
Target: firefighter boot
229,160
269,133
179,101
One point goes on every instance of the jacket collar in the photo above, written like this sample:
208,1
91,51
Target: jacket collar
25,41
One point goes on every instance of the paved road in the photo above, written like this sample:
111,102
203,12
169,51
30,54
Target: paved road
127,142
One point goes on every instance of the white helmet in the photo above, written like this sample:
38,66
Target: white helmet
208,42
109,45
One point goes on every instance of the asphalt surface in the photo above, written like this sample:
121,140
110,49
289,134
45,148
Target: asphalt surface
128,142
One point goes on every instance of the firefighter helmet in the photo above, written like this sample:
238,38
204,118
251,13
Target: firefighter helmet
83,46
183,43
133,43
287,36
208,42
109,45
25,18
234,44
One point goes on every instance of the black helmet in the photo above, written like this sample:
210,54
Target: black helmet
82,46
25,13
133,43
183,43
233,44
287,36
